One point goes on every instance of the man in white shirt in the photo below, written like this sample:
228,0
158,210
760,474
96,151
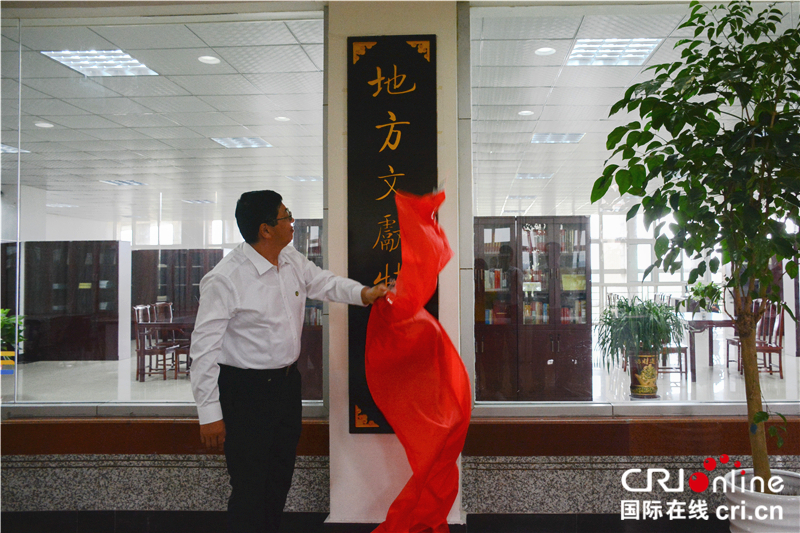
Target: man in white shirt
244,351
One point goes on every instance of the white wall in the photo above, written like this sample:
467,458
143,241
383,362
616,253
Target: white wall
368,471
66,228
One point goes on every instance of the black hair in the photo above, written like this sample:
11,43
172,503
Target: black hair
255,208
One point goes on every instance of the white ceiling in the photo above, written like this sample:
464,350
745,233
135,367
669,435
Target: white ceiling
508,77
157,129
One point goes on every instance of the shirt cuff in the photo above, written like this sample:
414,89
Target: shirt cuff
209,413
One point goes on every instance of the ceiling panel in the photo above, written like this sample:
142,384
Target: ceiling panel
222,84
513,27
628,26
56,38
244,33
510,96
258,60
182,61
519,53
307,31
156,36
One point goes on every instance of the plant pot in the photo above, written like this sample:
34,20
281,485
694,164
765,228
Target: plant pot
7,364
644,374
788,501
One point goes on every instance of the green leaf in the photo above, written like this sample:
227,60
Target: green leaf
713,265
601,186
624,179
662,243
791,269
635,209
760,416
615,136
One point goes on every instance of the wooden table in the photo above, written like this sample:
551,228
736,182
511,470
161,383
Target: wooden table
699,322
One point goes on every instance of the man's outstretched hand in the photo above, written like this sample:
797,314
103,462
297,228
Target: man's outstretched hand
369,295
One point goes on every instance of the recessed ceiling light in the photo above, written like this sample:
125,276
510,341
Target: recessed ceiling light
11,150
208,60
101,63
305,178
43,125
545,51
525,113
282,119
534,176
242,142
603,52
121,183
198,201
557,138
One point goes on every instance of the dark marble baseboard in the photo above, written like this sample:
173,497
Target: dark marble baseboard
214,522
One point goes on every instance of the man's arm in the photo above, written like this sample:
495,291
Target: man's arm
216,303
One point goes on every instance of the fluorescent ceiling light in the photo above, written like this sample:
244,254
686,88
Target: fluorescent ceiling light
101,63
623,52
525,113
208,60
556,138
305,178
60,205
242,142
43,125
534,176
198,201
545,51
11,150
129,183
282,119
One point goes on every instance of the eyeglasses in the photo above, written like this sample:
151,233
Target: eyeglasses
288,216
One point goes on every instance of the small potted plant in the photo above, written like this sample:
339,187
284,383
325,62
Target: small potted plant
638,330
705,296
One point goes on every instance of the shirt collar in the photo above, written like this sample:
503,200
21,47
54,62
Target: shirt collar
258,260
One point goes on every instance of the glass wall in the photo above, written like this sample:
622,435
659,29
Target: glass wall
543,80
125,147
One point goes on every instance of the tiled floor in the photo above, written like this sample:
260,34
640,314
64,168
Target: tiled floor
114,381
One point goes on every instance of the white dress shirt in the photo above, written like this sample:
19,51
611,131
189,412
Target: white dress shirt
251,316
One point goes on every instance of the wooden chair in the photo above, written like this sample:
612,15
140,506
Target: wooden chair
772,342
734,341
152,355
163,313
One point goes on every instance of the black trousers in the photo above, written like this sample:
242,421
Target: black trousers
262,411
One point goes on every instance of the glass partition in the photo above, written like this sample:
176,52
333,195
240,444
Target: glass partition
122,161
540,120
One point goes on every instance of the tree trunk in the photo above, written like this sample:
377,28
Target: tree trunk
752,382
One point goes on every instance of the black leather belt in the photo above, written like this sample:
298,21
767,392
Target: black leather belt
260,373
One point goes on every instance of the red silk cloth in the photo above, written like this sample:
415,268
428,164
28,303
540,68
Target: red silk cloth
416,376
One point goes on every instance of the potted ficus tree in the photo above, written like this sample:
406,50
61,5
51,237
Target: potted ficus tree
638,330
718,148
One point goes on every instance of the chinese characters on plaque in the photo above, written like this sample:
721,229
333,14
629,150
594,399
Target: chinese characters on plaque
391,146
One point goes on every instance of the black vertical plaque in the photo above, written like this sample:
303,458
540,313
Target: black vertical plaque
391,146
